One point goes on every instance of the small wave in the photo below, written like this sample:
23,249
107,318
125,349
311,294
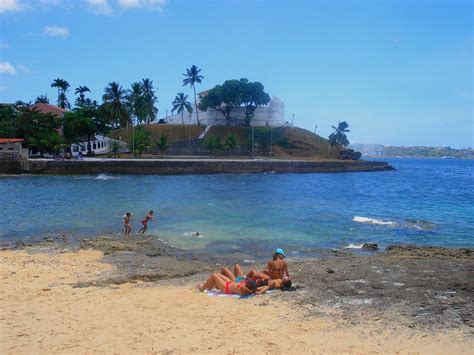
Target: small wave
106,177
373,221
354,246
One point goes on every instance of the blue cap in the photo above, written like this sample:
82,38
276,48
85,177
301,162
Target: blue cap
280,251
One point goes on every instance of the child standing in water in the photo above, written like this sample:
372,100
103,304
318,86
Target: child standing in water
145,222
127,228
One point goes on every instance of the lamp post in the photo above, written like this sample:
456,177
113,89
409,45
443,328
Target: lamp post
189,136
293,121
271,141
315,127
133,138
253,141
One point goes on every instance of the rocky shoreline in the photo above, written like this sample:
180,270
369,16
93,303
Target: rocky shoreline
417,287
185,166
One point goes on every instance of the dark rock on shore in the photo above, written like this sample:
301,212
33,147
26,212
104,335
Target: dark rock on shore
429,287
370,246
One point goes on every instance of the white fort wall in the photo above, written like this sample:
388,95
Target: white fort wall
272,115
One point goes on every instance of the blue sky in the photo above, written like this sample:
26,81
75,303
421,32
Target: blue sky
399,72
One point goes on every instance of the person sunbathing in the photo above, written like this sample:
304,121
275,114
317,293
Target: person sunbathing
261,279
229,286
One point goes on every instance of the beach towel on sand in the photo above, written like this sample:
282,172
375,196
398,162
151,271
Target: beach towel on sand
217,293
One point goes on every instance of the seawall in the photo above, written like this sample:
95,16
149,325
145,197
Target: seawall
187,166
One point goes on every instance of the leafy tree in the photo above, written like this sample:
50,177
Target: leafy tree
338,137
213,144
181,103
62,86
8,118
149,100
253,96
142,140
192,77
115,105
39,130
79,125
42,99
230,142
163,143
81,90
20,105
223,98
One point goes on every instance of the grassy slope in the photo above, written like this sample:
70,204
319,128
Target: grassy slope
288,142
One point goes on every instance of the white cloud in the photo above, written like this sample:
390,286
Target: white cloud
10,5
151,4
56,31
3,45
3,88
100,7
7,68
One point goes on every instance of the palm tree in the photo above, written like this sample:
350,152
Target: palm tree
181,103
191,78
63,102
81,90
149,99
42,99
114,96
62,86
338,137
136,102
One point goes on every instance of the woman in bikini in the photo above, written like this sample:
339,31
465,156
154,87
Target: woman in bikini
260,278
229,286
278,268
145,222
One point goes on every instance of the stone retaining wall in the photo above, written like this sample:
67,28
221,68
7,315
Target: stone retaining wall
10,163
177,167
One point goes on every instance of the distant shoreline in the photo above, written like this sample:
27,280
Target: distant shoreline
187,166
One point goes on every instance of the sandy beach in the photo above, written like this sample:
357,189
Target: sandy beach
49,304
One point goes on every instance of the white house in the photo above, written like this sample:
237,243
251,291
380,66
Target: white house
99,145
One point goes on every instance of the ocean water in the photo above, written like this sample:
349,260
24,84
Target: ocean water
424,202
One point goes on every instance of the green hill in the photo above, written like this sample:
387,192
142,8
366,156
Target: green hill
284,142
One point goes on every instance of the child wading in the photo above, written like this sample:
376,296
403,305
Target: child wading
145,222
127,228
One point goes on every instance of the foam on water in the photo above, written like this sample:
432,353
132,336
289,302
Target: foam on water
360,219
106,177
354,246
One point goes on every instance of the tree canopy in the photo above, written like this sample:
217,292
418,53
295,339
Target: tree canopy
235,93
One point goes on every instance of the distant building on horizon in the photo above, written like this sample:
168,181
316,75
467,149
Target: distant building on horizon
272,115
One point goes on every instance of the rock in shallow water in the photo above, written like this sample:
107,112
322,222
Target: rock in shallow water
370,246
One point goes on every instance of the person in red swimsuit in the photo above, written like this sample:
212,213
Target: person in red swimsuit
145,222
226,285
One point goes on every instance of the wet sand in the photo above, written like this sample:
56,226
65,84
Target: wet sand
61,301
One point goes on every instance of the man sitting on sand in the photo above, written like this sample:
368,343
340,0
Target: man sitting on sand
229,286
